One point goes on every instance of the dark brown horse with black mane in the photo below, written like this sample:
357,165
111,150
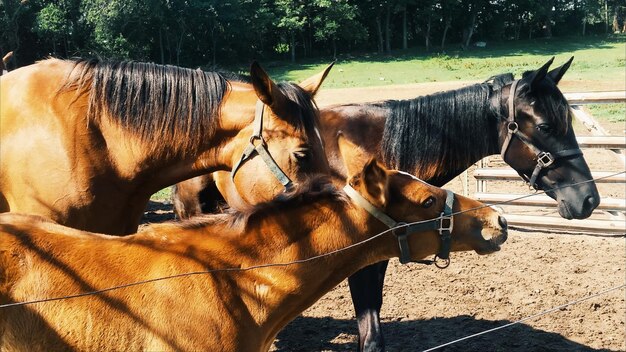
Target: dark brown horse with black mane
436,137
86,143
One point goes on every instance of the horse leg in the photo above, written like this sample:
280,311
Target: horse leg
366,288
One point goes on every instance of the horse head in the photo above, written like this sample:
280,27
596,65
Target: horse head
283,145
538,141
421,213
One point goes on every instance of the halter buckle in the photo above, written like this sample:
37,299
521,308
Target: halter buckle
446,224
545,159
512,127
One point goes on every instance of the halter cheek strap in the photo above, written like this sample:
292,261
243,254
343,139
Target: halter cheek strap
543,159
259,146
443,224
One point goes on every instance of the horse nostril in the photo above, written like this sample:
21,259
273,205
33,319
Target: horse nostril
502,222
590,203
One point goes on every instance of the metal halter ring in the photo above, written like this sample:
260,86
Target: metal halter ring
257,138
545,159
441,263
512,127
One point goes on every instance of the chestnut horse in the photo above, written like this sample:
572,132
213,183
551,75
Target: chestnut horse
223,293
86,143
438,136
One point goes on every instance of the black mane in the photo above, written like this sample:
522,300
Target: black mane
443,130
173,109
161,104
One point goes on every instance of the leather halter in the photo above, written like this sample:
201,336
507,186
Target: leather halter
443,224
544,159
259,146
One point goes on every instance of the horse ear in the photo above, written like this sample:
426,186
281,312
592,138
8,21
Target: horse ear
7,57
540,74
354,158
374,177
265,88
312,84
558,72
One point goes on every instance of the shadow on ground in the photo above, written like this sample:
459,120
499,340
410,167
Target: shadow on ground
323,334
157,212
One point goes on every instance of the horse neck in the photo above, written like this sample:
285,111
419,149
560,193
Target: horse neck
154,168
283,292
449,158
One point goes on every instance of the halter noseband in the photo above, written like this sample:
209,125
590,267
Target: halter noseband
259,146
443,224
544,159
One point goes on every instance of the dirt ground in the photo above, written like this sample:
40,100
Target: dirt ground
534,272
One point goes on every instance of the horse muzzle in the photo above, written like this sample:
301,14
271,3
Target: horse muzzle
494,234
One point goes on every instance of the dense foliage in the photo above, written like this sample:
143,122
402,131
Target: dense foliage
219,32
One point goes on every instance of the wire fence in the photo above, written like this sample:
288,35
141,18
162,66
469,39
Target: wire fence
313,258
531,317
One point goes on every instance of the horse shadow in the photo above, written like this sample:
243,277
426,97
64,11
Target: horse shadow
157,212
328,334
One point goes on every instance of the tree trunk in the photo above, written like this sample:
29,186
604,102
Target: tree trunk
445,31
405,44
380,34
179,45
388,29
334,49
584,23
161,47
427,34
547,23
214,52
606,17
469,31
293,47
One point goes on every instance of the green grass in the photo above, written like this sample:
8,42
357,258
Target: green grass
163,195
597,58
608,112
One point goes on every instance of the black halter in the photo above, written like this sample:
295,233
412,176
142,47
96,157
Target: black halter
544,159
402,230
258,145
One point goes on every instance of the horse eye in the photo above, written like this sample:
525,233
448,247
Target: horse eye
428,202
545,128
302,154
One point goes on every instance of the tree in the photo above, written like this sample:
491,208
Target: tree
52,21
291,20
337,20
424,15
11,12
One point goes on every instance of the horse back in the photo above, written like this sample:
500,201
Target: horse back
41,259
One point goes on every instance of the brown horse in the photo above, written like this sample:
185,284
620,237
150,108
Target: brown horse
438,136
86,143
226,304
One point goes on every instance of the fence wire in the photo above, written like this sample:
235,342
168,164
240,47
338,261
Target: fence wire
261,266
540,314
